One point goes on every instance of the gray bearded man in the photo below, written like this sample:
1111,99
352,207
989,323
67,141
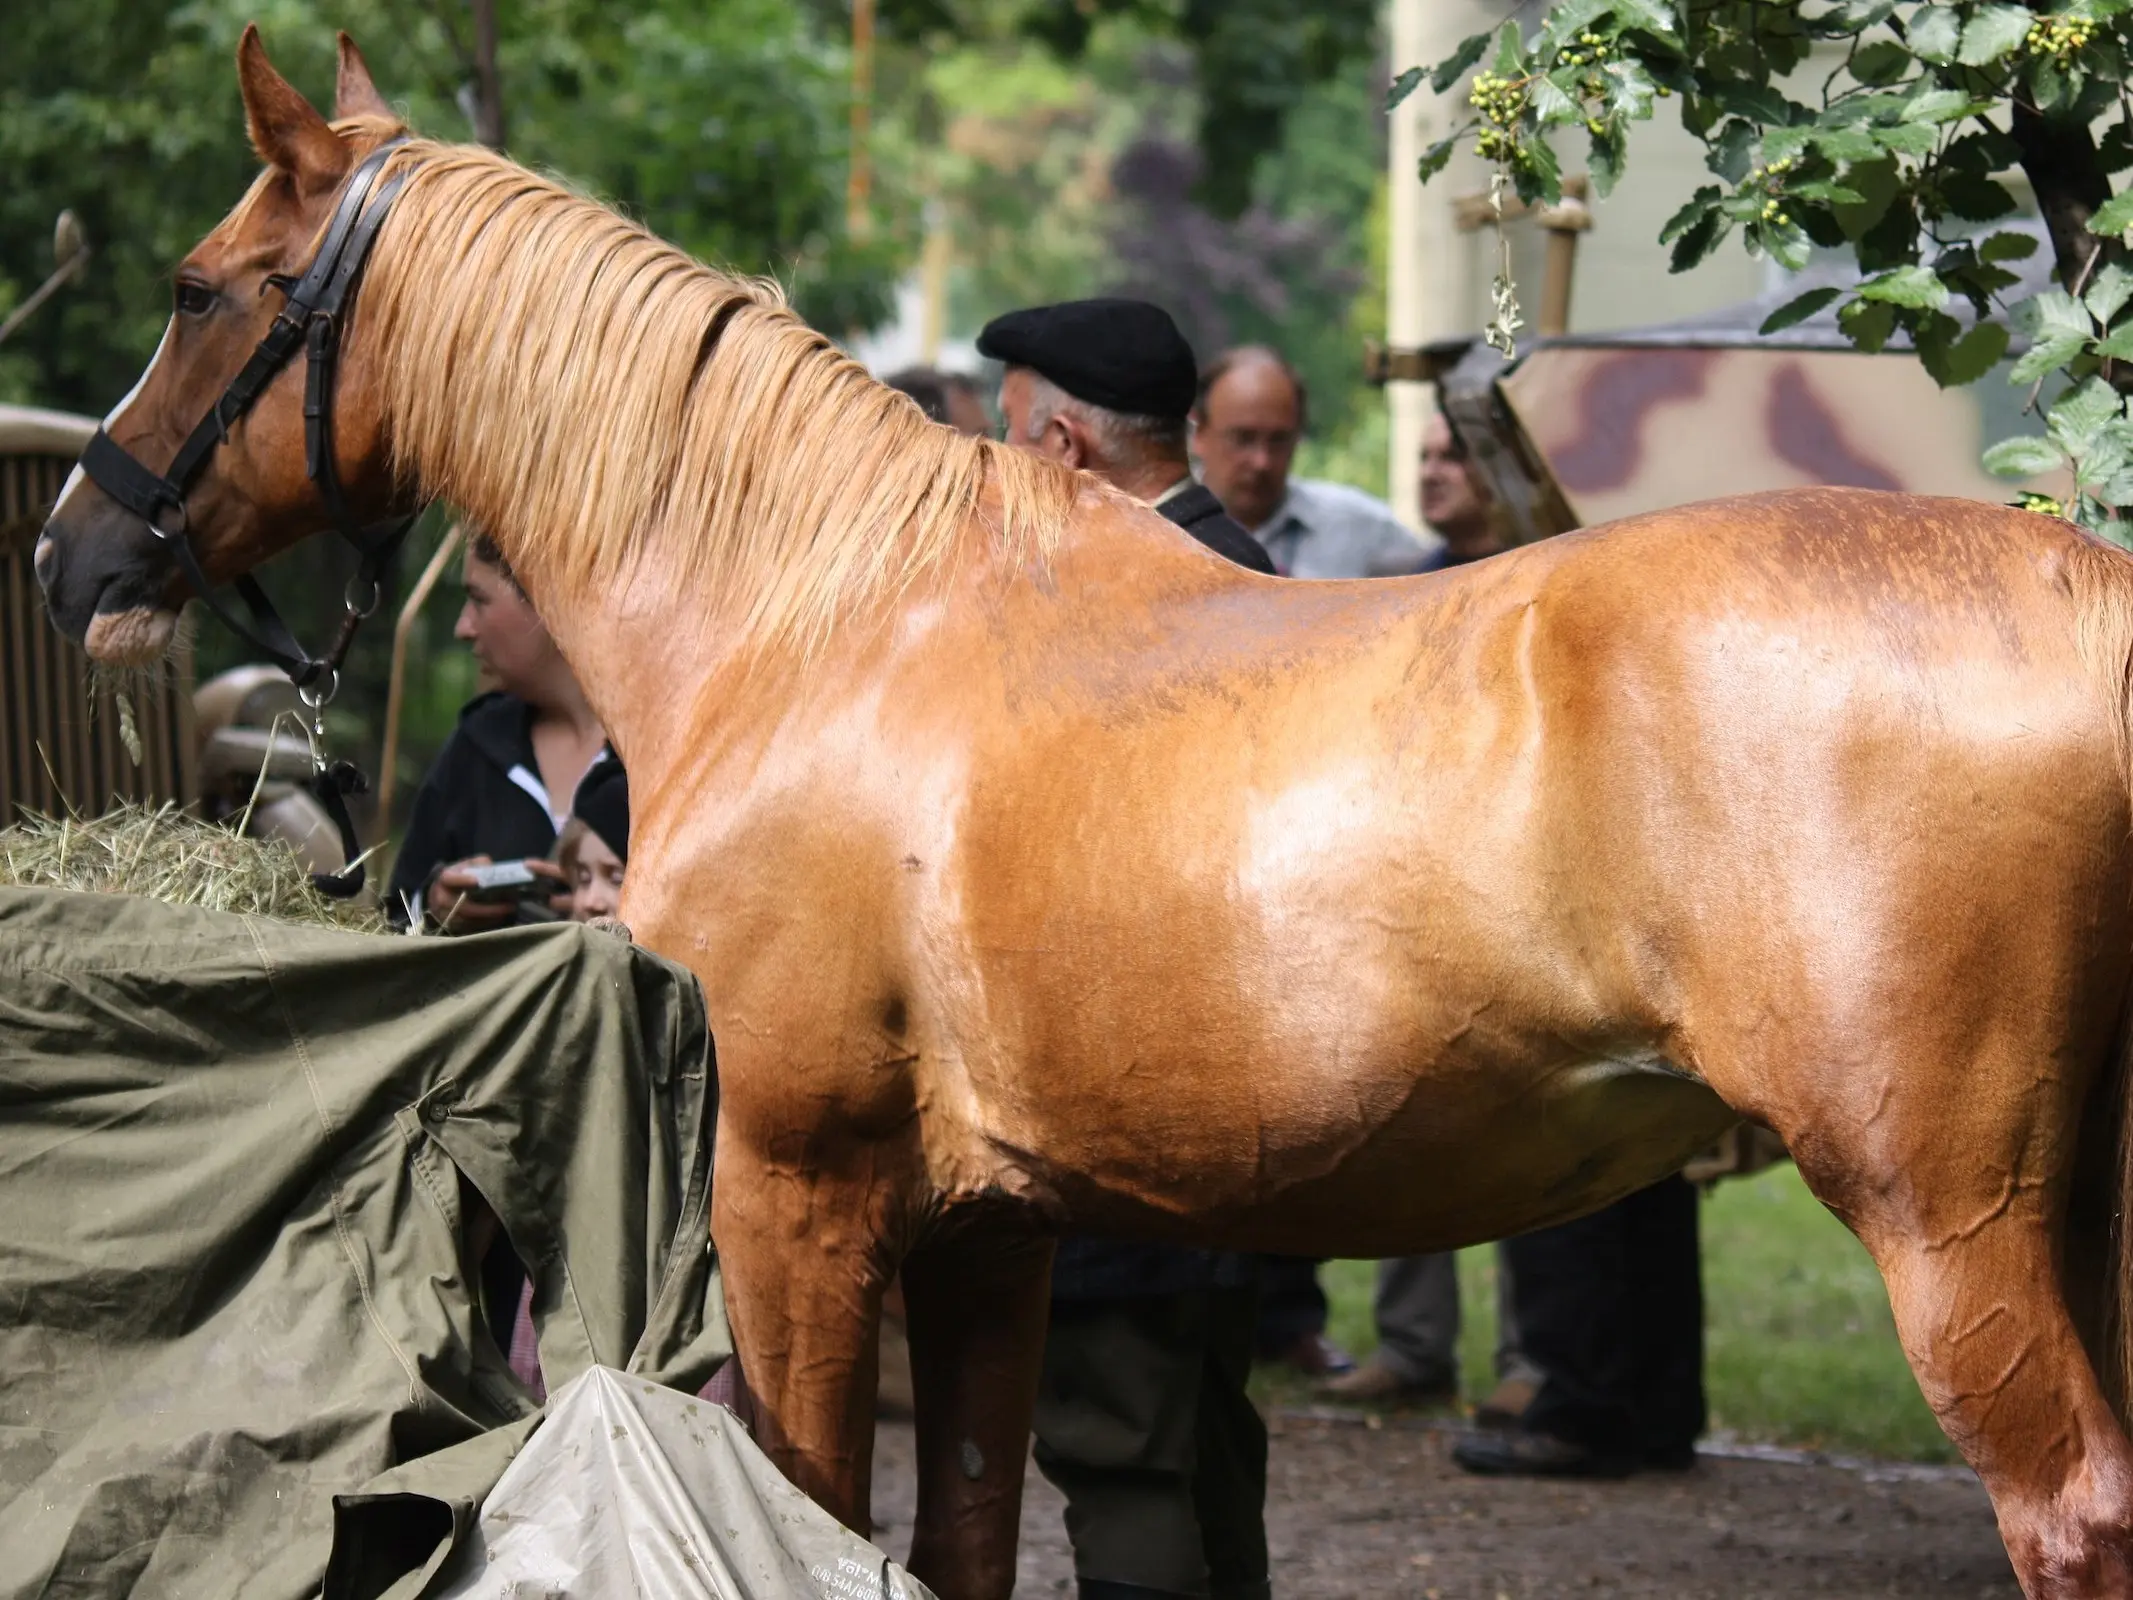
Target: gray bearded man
1142,1419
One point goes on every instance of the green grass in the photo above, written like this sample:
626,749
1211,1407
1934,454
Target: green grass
1800,1347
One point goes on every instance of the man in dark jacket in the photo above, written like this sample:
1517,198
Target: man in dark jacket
1142,1419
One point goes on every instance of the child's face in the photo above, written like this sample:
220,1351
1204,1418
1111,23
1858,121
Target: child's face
595,880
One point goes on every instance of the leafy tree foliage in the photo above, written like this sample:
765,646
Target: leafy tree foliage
1254,60
1893,130
719,122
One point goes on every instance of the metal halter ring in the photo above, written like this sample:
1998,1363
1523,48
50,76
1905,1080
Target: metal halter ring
177,508
364,608
316,698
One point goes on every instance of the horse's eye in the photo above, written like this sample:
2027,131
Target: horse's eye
195,299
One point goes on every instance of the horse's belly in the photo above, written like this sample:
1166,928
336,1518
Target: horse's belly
1474,1152
1462,1164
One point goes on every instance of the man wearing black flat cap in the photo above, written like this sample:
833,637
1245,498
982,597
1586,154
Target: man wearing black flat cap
1142,1419
1107,386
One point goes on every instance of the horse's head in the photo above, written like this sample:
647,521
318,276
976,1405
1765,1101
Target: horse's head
110,580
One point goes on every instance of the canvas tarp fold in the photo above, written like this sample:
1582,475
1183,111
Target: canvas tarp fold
631,1488
233,1156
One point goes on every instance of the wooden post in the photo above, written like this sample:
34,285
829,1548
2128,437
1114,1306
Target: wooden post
488,82
859,186
389,758
1563,222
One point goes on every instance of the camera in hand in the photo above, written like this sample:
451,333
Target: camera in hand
509,883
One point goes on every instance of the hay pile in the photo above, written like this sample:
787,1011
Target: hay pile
161,852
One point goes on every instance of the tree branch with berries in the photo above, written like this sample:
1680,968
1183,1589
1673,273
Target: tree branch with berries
1889,129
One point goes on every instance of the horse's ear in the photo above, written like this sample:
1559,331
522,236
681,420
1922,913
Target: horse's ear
286,129
354,95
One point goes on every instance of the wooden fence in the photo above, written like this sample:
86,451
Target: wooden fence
60,745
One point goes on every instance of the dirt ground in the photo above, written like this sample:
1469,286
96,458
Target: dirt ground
1359,1510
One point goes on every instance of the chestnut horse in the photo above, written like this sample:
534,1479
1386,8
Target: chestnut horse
1043,869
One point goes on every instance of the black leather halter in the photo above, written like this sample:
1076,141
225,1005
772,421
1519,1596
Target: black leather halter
311,319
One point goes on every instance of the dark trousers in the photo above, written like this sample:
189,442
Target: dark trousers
1291,1304
1143,1424
1610,1308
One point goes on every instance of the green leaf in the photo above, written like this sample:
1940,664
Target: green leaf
1798,309
2007,247
1992,32
1918,287
1868,324
1892,241
2108,292
2026,456
1879,63
1907,138
1951,361
1702,204
1974,198
1510,51
1732,153
1551,102
2058,328
1453,67
1780,144
1979,351
1655,17
1436,157
1846,144
1629,90
2052,88
1567,21
1610,148
1982,150
1853,18
1935,33
1939,105
1879,181
2114,217
1830,193
1535,172
2080,417
1402,86
1699,239
1757,102
1788,245
2115,148
2119,347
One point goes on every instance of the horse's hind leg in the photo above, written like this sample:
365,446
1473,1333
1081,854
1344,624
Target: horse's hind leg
977,1294
1966,1242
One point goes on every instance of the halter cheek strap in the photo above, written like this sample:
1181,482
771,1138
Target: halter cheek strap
310,320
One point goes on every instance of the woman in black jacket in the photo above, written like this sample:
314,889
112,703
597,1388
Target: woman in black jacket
501,788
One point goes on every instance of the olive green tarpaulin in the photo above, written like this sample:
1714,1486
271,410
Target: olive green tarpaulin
231,1163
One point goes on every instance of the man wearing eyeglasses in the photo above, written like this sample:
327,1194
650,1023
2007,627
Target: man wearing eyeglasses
1249,418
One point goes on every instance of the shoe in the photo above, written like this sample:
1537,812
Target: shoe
1670,1458
1528,1453
1375,1384
1506,1403
1316,1356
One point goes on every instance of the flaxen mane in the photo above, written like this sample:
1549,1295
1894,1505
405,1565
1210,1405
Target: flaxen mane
595,395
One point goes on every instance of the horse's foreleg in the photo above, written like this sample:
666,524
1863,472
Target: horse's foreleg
977,1295
799,1248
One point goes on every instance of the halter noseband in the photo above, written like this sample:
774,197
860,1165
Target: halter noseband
311,319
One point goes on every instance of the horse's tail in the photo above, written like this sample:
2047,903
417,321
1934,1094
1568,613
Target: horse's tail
2100,580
